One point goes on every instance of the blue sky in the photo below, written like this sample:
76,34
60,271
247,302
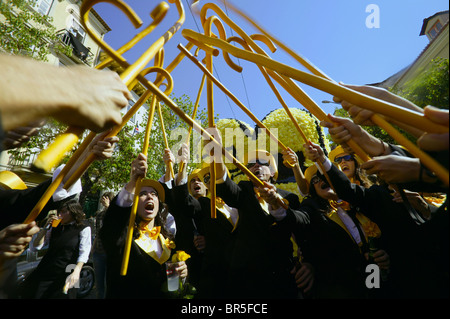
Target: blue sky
331,34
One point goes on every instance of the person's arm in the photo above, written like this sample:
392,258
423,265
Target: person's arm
290,157
19,135
83,257
43,234
363,117
76,96
168,159
347,130
101,147
184,155
15,238
435,142
138,170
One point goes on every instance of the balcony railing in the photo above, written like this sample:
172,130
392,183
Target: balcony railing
81,52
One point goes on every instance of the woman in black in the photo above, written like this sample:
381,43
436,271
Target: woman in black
69,245
152,243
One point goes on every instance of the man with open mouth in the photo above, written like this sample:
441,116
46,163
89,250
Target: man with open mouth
262,255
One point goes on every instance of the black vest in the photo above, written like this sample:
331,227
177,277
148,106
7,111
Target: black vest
63,251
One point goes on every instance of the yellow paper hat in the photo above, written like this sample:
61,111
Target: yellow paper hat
9,180
310,172
156,185
251,157
193,174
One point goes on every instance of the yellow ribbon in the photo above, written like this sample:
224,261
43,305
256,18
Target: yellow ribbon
145,242
152,233
219,203
264,204
370,228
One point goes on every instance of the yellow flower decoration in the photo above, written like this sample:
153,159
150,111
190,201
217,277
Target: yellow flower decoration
180,256
287,132
242,133
169,243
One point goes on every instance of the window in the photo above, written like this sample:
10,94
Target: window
43,6
133,118
77,30
433,32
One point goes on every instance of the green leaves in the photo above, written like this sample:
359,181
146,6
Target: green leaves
26,32
431,87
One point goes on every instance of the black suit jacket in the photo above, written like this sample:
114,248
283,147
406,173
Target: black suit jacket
16,204
262,254
219,237
339,266
416,252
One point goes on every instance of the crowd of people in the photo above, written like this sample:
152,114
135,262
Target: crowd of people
361,230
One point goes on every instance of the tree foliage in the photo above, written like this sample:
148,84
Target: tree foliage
26,32
113,173
430,87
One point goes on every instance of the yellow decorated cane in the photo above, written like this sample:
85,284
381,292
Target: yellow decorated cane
234,98
396,112
154,104
146,57
408,118
198,128
63,143
194,113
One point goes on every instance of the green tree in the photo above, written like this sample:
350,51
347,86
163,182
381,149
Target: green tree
113,173
24,31
172,125
430,87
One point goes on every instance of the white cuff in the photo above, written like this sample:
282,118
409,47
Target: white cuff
278,214
326,165
125,198
223,178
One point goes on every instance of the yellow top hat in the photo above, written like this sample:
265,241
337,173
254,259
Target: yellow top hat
156,185
340,150
263,154
9,180
193,174
310,172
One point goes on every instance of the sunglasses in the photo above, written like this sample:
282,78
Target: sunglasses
339,159
206,178
260,162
